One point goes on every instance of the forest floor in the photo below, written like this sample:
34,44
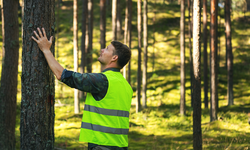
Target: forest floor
160,126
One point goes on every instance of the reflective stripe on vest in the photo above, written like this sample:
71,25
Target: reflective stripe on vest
103,128
109,112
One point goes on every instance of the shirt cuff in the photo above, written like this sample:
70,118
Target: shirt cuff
66,74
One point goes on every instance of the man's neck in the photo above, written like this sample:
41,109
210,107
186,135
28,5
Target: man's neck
108,66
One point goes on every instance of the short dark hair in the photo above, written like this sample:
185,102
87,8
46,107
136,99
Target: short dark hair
123,52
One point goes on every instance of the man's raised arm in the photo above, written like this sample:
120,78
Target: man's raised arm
44,45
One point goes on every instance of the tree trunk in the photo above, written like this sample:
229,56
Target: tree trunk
197,138
90,35
230,96
205,71
182,55
129,36
213,30
138,92
8,89
83,37
3,33
153,44
145,55
190,49
119,21
75,41
103,23
38,92
114,18
126,34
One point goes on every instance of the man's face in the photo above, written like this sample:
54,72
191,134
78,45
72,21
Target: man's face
106,54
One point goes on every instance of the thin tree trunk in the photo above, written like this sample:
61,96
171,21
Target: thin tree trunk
3,33
213,30
182,55
87,38
145,54
90,35
153,44
190,50
38,88
126,34
8,89
197,137
205,71
103,23
129,36
83,37
230,96
114,18
119,20
75,41
138,92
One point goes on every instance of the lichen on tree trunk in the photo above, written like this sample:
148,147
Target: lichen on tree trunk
37,105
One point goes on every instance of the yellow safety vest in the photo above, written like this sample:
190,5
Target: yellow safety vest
106,122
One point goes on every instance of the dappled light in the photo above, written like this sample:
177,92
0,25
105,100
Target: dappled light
160,125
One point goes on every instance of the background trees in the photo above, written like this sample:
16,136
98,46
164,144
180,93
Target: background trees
182,53
8,89
213,61
139,21
75,41
161,118
197,136
145,54
229,53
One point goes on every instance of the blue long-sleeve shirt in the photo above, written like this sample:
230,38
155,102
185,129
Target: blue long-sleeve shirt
94,83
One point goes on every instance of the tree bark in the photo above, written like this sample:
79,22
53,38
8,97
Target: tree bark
205,71
190,50
145,54
213,55
103,23
8,89
83,37
38,91
129,36
182,55
197,138
114,18
3,33
119,20
138,92
90,36
230,96
75,41
126,34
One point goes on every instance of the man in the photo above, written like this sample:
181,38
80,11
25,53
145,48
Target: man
105,121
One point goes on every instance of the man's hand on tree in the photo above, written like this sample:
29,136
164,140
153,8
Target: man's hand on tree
42,40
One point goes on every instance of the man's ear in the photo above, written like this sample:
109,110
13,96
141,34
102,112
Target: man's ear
115,58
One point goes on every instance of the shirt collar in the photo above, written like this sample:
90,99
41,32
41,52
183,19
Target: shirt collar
112,69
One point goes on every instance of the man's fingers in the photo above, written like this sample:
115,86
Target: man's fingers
51,38
44,33
36,34
34,39
40,33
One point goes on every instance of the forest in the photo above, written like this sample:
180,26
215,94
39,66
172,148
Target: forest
189,71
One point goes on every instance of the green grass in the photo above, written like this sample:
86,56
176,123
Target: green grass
159,126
